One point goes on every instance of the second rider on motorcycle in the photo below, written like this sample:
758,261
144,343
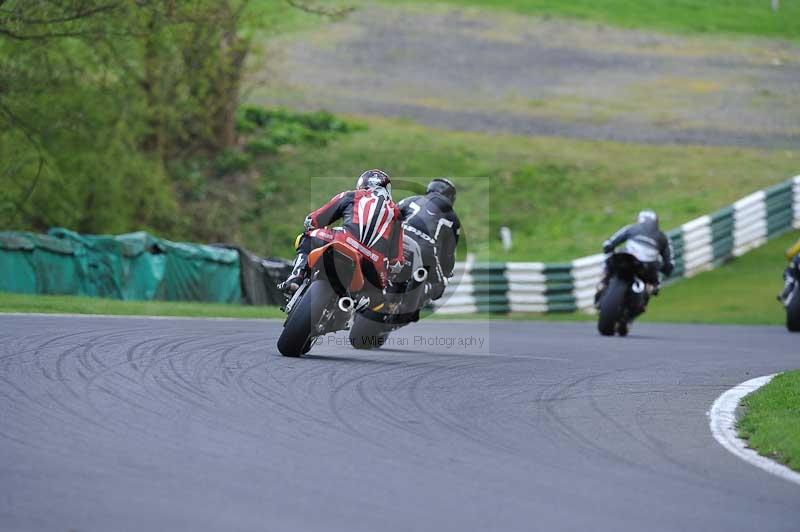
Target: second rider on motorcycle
432,222
431,231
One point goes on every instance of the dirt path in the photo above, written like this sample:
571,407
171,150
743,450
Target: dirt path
466,70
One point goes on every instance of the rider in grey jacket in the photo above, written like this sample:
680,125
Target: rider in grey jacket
645,241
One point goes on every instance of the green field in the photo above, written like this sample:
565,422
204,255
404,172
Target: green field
741,292
749,17
560,197
771,423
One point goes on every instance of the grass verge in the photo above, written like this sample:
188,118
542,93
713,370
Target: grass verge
91,305
741,292
746,17
771,424
46,304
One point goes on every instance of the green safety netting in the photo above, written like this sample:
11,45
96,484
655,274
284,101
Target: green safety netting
40,264
260,277
196,272
131,266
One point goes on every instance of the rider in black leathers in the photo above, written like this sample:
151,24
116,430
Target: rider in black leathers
792,271
645,241
431,221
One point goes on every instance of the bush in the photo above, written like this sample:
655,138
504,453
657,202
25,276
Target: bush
281,126
232,161
261,146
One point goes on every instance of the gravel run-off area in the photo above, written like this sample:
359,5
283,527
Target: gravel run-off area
477,71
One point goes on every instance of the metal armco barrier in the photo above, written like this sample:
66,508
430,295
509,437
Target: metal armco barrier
699,245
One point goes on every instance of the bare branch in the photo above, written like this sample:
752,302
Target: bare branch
81,13
318,10
11,117
56,34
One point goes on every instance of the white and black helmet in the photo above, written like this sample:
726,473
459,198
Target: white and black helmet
375,179
647,215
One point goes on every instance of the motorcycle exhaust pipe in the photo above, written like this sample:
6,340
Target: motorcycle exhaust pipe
346,304
420,274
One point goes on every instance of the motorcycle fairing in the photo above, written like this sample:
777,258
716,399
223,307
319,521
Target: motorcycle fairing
343,242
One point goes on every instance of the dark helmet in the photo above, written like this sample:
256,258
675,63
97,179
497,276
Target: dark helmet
375,179
443,186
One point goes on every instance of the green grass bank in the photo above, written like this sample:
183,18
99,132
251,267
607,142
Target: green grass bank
741,292
743,17
771,423
560,197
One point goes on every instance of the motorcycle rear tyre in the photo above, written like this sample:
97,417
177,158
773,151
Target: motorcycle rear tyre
793,311
611,303
367,333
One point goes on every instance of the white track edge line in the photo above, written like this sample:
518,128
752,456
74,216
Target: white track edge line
723,426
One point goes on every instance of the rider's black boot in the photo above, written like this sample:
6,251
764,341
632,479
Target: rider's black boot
295,279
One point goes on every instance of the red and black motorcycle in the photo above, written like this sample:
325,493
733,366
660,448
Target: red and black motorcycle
343,276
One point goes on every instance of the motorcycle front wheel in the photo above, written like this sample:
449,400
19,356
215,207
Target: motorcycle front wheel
300,327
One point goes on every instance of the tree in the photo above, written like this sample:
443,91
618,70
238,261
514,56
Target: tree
101,100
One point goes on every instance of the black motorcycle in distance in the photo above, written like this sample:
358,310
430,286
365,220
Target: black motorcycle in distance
624,298
792,304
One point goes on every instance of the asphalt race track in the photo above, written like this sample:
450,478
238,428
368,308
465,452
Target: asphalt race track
126,424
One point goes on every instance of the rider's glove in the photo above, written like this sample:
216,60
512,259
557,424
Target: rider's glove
308,224
608,249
